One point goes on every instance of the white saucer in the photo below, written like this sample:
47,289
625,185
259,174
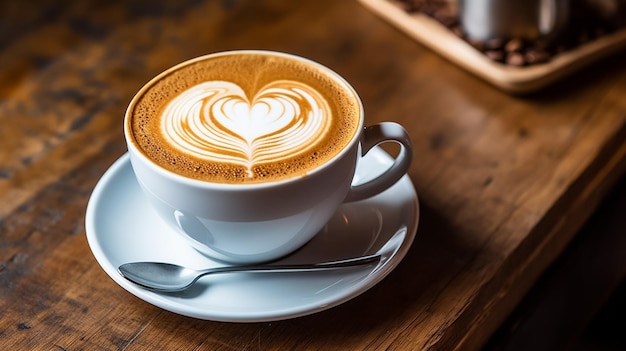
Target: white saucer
121,228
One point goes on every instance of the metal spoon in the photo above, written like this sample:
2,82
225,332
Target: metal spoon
167,277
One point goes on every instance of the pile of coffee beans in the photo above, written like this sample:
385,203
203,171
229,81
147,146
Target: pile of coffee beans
590,19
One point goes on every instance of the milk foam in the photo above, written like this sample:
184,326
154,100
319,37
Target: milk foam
216,121
244,118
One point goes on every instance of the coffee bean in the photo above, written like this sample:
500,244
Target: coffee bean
458,31
515,59
495,55
514,45
535,56
585,24
446,16
494,43
477,44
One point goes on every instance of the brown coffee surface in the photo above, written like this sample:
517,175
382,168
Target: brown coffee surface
246,117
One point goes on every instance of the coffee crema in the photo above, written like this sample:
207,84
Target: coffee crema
244,117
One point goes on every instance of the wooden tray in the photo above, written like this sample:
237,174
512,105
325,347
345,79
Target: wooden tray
508,78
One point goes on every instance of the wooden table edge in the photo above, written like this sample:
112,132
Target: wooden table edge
560,232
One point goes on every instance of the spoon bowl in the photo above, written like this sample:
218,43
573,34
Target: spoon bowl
168,277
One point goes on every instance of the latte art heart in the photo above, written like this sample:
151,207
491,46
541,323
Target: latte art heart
216,121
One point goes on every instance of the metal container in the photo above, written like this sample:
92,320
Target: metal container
527,19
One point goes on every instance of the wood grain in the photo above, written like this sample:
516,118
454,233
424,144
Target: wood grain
504,182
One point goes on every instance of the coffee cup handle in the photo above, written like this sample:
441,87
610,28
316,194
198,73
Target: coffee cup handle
375,135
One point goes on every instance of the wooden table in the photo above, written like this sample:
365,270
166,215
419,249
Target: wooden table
504,182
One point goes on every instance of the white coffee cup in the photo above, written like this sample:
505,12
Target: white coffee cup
247,223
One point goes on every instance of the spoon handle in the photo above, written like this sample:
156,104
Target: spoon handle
351,262
165,277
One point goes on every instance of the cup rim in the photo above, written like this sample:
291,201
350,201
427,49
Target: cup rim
133,148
